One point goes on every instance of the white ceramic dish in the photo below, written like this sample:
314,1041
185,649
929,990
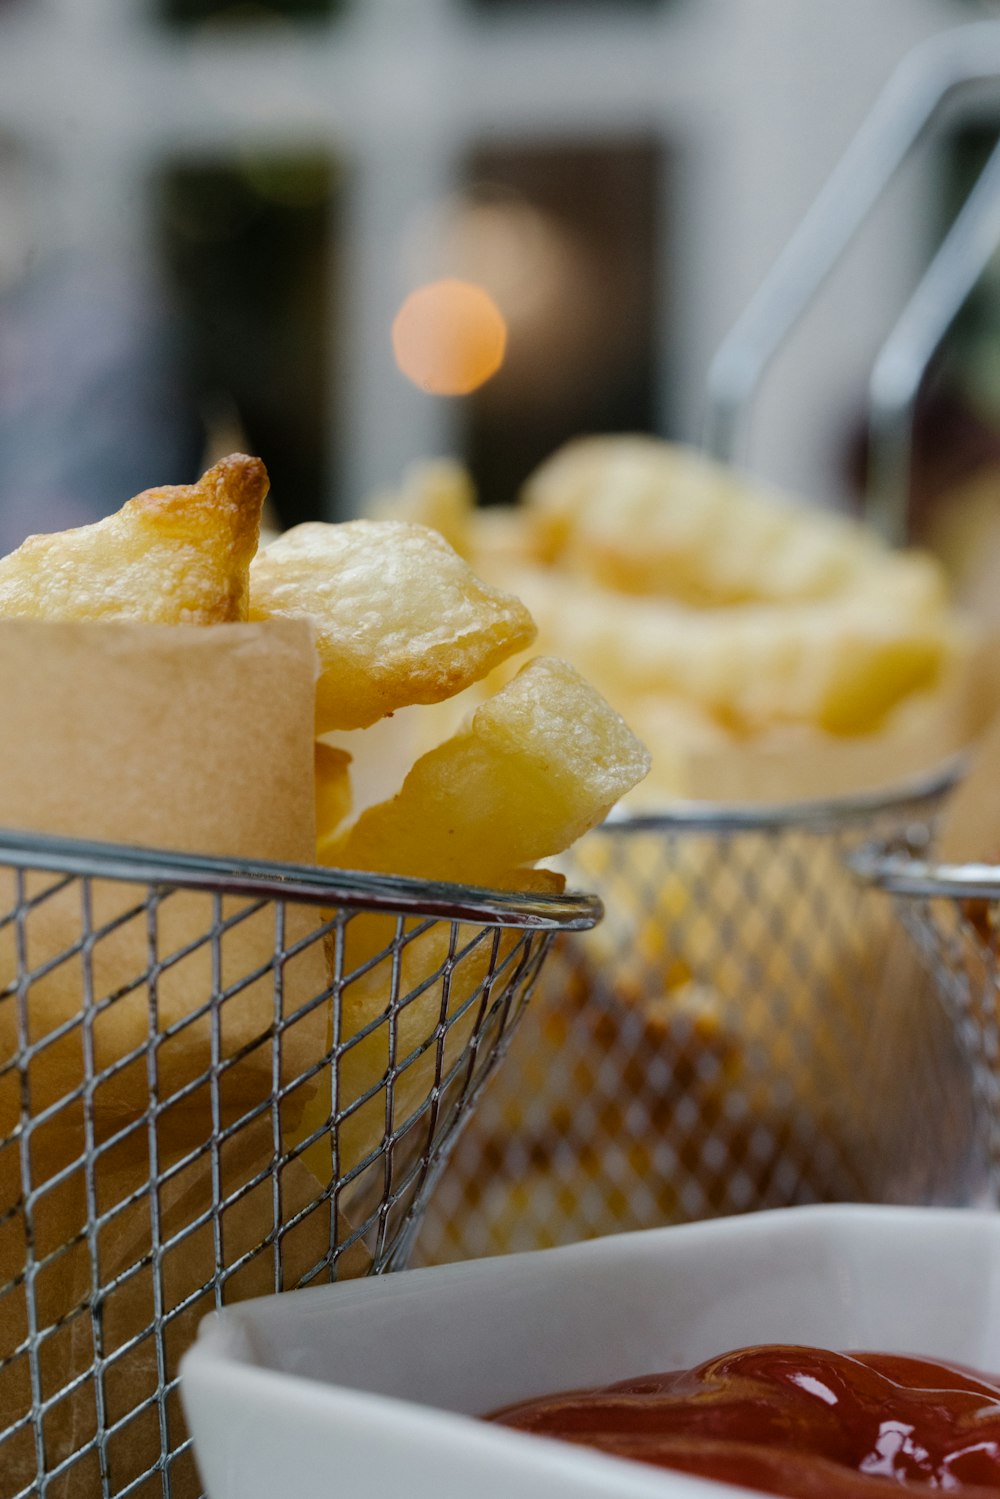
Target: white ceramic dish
369,1387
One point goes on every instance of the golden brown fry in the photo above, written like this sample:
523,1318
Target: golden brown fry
438,493
333,790
650,517
540,762
176,555
399,617
839,665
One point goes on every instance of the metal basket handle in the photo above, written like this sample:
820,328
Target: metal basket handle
899,370
930,77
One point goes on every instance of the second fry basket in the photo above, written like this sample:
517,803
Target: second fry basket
748,1028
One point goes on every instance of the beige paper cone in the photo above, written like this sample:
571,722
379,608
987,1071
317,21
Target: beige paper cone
193,740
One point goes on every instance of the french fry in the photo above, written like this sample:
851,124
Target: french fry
758,646
539,763
399,617
439,494
176,555
649,517
333,791
838,665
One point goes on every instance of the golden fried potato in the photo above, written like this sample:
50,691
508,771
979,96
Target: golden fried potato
729,625
399,617
334,793
838,665
176,555
438,493
538,764
649,517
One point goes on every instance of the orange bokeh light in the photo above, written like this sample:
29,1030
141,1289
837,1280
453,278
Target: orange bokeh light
449,337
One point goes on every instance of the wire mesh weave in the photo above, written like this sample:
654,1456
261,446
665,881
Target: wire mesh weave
952,913
216,1081
741,1032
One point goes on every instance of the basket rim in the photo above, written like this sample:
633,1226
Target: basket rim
304,884
896,866
724,817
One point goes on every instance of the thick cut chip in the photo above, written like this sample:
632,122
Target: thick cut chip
539,764
334,792
650,517
399,617
840,665
176,555
439,494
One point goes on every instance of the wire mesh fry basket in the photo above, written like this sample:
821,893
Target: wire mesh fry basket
740,1033
217,1080
750,1027
952,914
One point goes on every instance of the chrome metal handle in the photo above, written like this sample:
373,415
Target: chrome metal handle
929,78
898,372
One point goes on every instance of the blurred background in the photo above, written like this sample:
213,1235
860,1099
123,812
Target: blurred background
212,214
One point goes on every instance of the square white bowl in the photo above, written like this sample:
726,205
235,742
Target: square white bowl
371,1387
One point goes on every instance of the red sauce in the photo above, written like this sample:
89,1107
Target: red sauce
795,1421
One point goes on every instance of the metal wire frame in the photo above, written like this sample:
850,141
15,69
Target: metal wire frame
270,1123
305,884
952,913
898,868
929,79
739,1033
835,811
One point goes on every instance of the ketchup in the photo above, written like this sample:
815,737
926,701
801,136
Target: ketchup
800,1422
